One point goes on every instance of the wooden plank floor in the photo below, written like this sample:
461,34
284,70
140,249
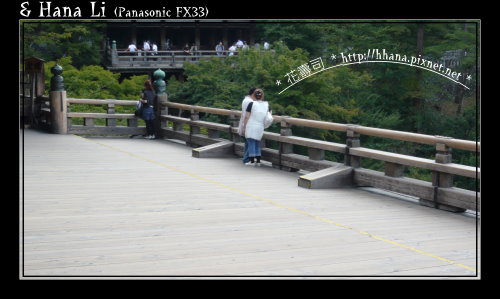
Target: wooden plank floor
135,207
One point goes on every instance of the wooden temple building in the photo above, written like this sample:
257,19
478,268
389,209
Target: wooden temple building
171,39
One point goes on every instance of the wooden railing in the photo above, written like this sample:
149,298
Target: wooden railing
165,59
110,116
208,142
440,193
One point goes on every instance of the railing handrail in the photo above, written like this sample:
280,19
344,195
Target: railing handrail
210,52
102,101
370,131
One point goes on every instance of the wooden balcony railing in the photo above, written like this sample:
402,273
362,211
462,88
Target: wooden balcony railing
211,139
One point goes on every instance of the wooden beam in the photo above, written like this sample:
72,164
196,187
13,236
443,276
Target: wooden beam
217,150
463,170
333,177
451,197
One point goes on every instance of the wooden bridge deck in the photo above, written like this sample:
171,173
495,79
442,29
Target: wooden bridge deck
136,207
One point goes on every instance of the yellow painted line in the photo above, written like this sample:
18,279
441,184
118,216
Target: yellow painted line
286,207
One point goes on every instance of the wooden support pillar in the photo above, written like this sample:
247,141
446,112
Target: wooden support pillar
194,115
163,39
161,109
197,37
286,130
211,40
443,155
441,180
58,112
251,39
352,141
58,104
224,37
285,148
133,34
234,122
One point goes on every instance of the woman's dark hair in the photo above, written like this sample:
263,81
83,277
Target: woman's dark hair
252,90
148,85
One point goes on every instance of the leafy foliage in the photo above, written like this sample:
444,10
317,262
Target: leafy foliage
53,40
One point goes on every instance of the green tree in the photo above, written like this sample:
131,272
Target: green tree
53,40
95,82
331,95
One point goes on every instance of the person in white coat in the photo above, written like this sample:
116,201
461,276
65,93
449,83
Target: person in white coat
247,100
254,125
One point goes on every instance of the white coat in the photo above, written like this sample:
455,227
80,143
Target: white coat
255,124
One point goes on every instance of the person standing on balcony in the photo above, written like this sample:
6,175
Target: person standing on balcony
155,49
239,44
247,100
254,124
186,50
220,49
147,99
194,51
232,50
132,48
146,47
266,45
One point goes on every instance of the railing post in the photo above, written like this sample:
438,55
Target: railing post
234,122
285,130
393,169
352,141
194,115
443,155
284,148
178,126
114,54
160,101
213,133
132,122
111,122
441,179
316,154
58,104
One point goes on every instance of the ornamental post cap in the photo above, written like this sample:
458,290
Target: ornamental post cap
56,70
159,74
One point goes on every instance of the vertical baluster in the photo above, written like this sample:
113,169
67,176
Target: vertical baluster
111,122
352,141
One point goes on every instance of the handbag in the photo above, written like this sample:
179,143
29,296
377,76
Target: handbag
268,121
138,109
